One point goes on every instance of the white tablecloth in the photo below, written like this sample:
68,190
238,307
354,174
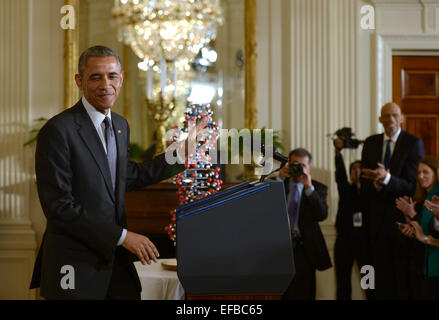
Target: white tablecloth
159,283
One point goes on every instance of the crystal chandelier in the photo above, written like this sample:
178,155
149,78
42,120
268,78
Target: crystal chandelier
172,30
166,35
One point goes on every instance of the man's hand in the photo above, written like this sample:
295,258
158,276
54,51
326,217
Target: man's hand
338,144
306,180
188,146
141,246
378,175
285,172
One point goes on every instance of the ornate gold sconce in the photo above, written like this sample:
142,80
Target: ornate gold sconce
160,111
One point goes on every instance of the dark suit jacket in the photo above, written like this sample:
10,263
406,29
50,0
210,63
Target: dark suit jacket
84,215
312,210
350,201
383,214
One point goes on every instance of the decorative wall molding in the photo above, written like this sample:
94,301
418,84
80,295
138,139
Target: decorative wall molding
323,91
15,274
409,16
16,235
385,46
17,257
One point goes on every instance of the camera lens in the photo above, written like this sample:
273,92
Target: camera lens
296,169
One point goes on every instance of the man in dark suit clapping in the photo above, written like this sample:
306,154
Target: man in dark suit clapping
389,163
306,201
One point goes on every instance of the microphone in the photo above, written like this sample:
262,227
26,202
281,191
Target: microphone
275,155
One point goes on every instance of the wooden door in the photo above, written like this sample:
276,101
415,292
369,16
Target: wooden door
416,90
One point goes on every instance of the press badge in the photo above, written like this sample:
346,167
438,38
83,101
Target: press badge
358,221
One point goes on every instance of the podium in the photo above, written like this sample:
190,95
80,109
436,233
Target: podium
236,244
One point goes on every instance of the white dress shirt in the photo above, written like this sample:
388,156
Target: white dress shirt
98,121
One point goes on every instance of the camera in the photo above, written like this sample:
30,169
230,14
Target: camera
347,136
296,169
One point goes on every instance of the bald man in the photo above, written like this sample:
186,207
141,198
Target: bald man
389,163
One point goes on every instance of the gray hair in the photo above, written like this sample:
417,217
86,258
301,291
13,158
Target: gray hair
96,51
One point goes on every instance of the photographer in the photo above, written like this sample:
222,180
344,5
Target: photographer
306,200
351,242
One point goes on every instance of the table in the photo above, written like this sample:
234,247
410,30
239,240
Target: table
159,283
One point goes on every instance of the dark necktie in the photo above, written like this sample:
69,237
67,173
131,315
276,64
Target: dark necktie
111,150
387,155
293,206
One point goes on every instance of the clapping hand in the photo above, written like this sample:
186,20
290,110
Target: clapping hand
407,206
433,206
378,175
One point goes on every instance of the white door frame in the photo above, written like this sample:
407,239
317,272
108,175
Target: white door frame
385,46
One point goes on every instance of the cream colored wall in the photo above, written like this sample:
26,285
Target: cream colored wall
31,58
319,71
309,51
47,77
314,79
229,40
